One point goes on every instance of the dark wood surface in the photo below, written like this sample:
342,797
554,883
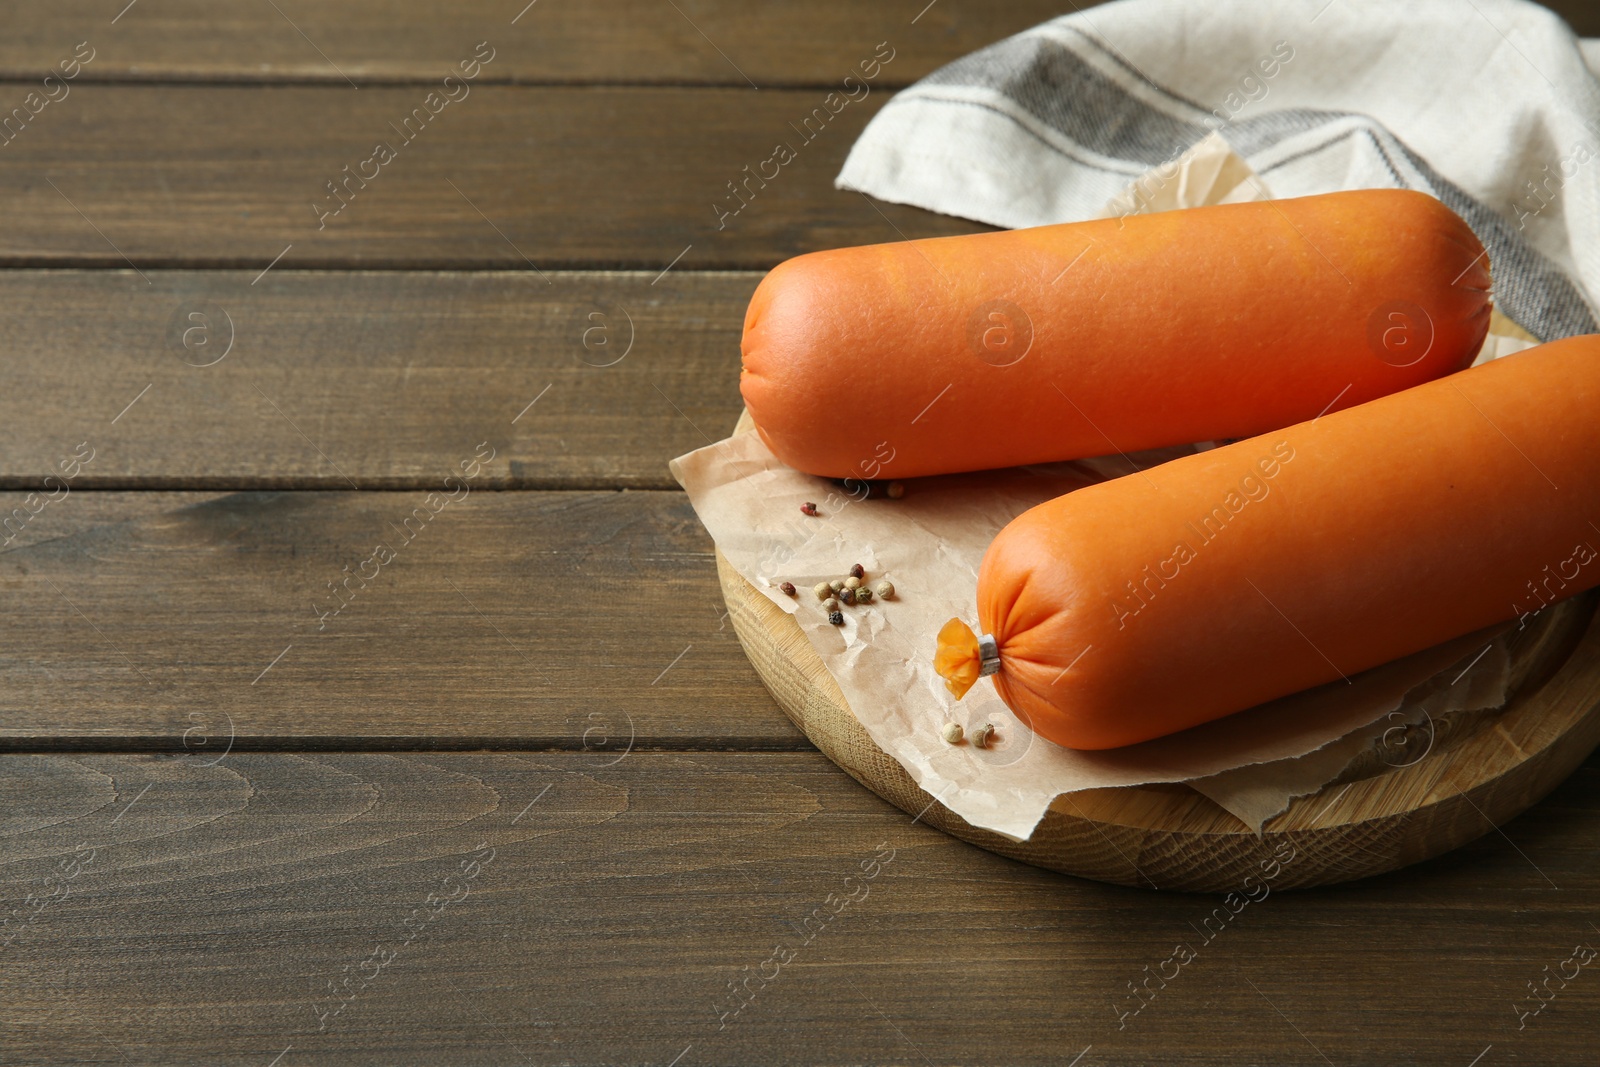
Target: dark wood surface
374,379
523,800
550,619
328,904
693,42
528,179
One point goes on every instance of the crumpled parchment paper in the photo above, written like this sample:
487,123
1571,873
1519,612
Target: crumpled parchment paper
930,543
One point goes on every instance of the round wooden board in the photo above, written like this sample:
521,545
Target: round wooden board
1172,837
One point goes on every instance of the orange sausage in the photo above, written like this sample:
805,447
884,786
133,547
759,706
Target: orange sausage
1154,602
1084,339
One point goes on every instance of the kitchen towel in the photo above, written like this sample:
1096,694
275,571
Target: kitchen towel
1487,104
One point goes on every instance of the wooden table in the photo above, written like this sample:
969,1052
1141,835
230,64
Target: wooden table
505,790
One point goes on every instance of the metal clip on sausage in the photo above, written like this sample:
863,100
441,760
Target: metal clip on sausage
988,656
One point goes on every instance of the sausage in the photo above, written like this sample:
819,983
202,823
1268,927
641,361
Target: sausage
1084,339
1157,601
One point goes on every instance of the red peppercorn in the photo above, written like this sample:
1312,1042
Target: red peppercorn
808,508
788,588
857,571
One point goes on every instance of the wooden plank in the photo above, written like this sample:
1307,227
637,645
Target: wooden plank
87,511
372,379
530,908
703,42
527,179
549,619
707,42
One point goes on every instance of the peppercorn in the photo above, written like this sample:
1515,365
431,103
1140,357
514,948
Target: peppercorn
863,595
823,590
830,605
952,732
836,585
896,490
857,571
808,508
983,735
788,588
884,588
852,582
847,596
837,618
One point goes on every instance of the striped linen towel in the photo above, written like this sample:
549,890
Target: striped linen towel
1487,104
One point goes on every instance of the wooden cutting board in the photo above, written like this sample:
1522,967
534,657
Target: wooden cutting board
1479,770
